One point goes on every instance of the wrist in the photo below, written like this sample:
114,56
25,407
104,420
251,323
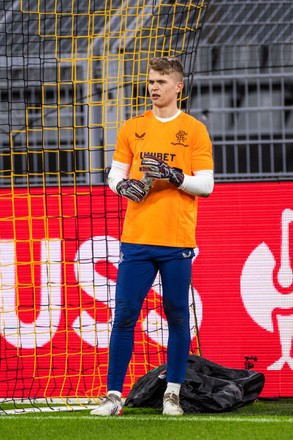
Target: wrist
176,177
119,186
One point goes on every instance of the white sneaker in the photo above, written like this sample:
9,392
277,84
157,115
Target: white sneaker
171,405
111,406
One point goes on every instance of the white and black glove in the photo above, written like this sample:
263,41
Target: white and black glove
132,189
157,169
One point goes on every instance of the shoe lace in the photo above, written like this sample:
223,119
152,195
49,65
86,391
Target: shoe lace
112,398
172,398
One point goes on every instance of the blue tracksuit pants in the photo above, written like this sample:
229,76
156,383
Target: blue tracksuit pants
138,267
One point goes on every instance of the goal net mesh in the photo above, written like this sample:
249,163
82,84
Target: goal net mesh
71,72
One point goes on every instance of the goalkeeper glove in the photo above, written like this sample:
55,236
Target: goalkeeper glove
132,189
157,169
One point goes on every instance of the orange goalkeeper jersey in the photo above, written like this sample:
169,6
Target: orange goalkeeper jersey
167,216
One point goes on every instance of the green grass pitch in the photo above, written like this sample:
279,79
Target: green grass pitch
261,420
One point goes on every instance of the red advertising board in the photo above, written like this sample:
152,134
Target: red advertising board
244,276
58,263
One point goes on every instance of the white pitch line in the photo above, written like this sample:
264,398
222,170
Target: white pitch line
280,419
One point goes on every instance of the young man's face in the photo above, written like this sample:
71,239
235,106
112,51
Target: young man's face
164,89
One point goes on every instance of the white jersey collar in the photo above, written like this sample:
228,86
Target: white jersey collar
169,119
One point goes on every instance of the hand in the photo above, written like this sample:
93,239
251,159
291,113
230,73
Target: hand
132,189
157,169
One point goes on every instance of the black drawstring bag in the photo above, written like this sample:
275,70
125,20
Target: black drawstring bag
208,387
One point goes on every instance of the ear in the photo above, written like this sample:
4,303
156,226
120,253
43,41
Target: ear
180,86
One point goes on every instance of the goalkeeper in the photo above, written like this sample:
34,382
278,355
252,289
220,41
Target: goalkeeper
162,163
